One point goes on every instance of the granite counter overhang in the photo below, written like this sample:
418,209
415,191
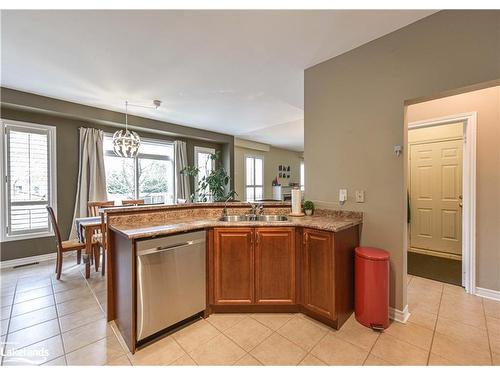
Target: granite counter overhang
152,229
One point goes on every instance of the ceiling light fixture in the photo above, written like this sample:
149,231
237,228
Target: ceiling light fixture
126,142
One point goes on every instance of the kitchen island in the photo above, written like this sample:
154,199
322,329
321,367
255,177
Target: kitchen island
299,264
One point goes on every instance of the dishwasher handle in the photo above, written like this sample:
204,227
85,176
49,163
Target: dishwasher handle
160,249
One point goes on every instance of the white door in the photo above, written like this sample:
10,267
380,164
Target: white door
436,196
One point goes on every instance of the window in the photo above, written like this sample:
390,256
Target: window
302,178
254,176
203,162
29,151
149,176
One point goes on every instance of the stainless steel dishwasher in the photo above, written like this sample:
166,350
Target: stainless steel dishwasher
171,281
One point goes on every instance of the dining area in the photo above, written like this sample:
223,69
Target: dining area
90,243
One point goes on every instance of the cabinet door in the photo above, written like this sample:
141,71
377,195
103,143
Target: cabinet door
275,266
233,266
318,273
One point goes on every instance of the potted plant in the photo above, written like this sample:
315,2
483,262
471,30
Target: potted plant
308,208
211,187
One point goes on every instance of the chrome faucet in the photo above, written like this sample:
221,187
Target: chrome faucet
255,207
224,210
260,207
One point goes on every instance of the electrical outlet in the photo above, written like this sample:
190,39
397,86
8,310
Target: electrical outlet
360,196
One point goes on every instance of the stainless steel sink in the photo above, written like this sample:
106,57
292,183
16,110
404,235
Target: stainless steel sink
272,218
267,218
233,218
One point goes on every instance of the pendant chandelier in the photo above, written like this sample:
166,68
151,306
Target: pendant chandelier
126,142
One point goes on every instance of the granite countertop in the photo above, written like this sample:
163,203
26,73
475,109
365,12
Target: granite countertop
153,207
151,229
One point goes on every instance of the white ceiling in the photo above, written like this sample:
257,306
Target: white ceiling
235,72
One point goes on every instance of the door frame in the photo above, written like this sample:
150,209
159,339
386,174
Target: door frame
469,120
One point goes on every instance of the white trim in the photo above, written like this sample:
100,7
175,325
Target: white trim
488,293
28,236
398,315
254,156
21,261
469,120
205,150
52,154
3,161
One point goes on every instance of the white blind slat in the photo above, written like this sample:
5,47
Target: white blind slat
28,180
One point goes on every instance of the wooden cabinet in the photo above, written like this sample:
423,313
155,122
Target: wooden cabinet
275,274
318,273
233,266
283,269
254,266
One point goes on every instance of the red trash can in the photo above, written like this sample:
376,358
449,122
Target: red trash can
371,295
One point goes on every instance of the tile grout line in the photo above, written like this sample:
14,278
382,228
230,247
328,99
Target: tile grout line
32,325
221,333
487,331
34,343
8,324
58,321
260,342
307,351
184,350
435,326
233,341
265,338
92,291
371,348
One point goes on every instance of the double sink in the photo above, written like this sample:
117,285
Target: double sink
266,218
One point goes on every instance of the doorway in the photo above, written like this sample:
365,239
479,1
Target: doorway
435,159
441,199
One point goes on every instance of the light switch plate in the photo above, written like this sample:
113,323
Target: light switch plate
342,195
360,196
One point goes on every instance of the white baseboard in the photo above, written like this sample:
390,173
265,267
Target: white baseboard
398,315
488,293
27,260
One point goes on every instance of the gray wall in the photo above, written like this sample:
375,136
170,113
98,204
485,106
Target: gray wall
354,115
34,109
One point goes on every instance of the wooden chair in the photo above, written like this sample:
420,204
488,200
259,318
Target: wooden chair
132,202
64,246
93,210
94,207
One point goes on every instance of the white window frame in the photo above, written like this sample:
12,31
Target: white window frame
4,189
261,157
205,150
145,156
302,176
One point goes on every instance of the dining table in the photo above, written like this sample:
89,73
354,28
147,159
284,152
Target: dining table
85,229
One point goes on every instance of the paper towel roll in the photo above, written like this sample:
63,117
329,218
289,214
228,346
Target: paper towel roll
296,201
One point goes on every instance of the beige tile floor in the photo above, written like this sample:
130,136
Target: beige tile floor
50,322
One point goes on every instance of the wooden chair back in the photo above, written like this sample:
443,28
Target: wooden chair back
93,207
53,221
132,202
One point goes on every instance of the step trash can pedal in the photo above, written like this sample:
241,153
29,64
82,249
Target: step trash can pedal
371,295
